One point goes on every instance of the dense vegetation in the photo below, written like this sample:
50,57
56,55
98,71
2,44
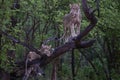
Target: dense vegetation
34,21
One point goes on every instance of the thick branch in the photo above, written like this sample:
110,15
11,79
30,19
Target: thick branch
90,16
66,47
59,51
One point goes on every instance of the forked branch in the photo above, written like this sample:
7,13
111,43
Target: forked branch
77,43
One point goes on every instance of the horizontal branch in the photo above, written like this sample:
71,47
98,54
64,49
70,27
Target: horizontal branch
60,51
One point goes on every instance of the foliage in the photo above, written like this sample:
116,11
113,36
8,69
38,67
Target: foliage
38,20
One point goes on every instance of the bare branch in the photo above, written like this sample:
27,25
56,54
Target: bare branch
90,16
19,42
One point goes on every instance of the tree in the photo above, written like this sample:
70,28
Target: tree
26,27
